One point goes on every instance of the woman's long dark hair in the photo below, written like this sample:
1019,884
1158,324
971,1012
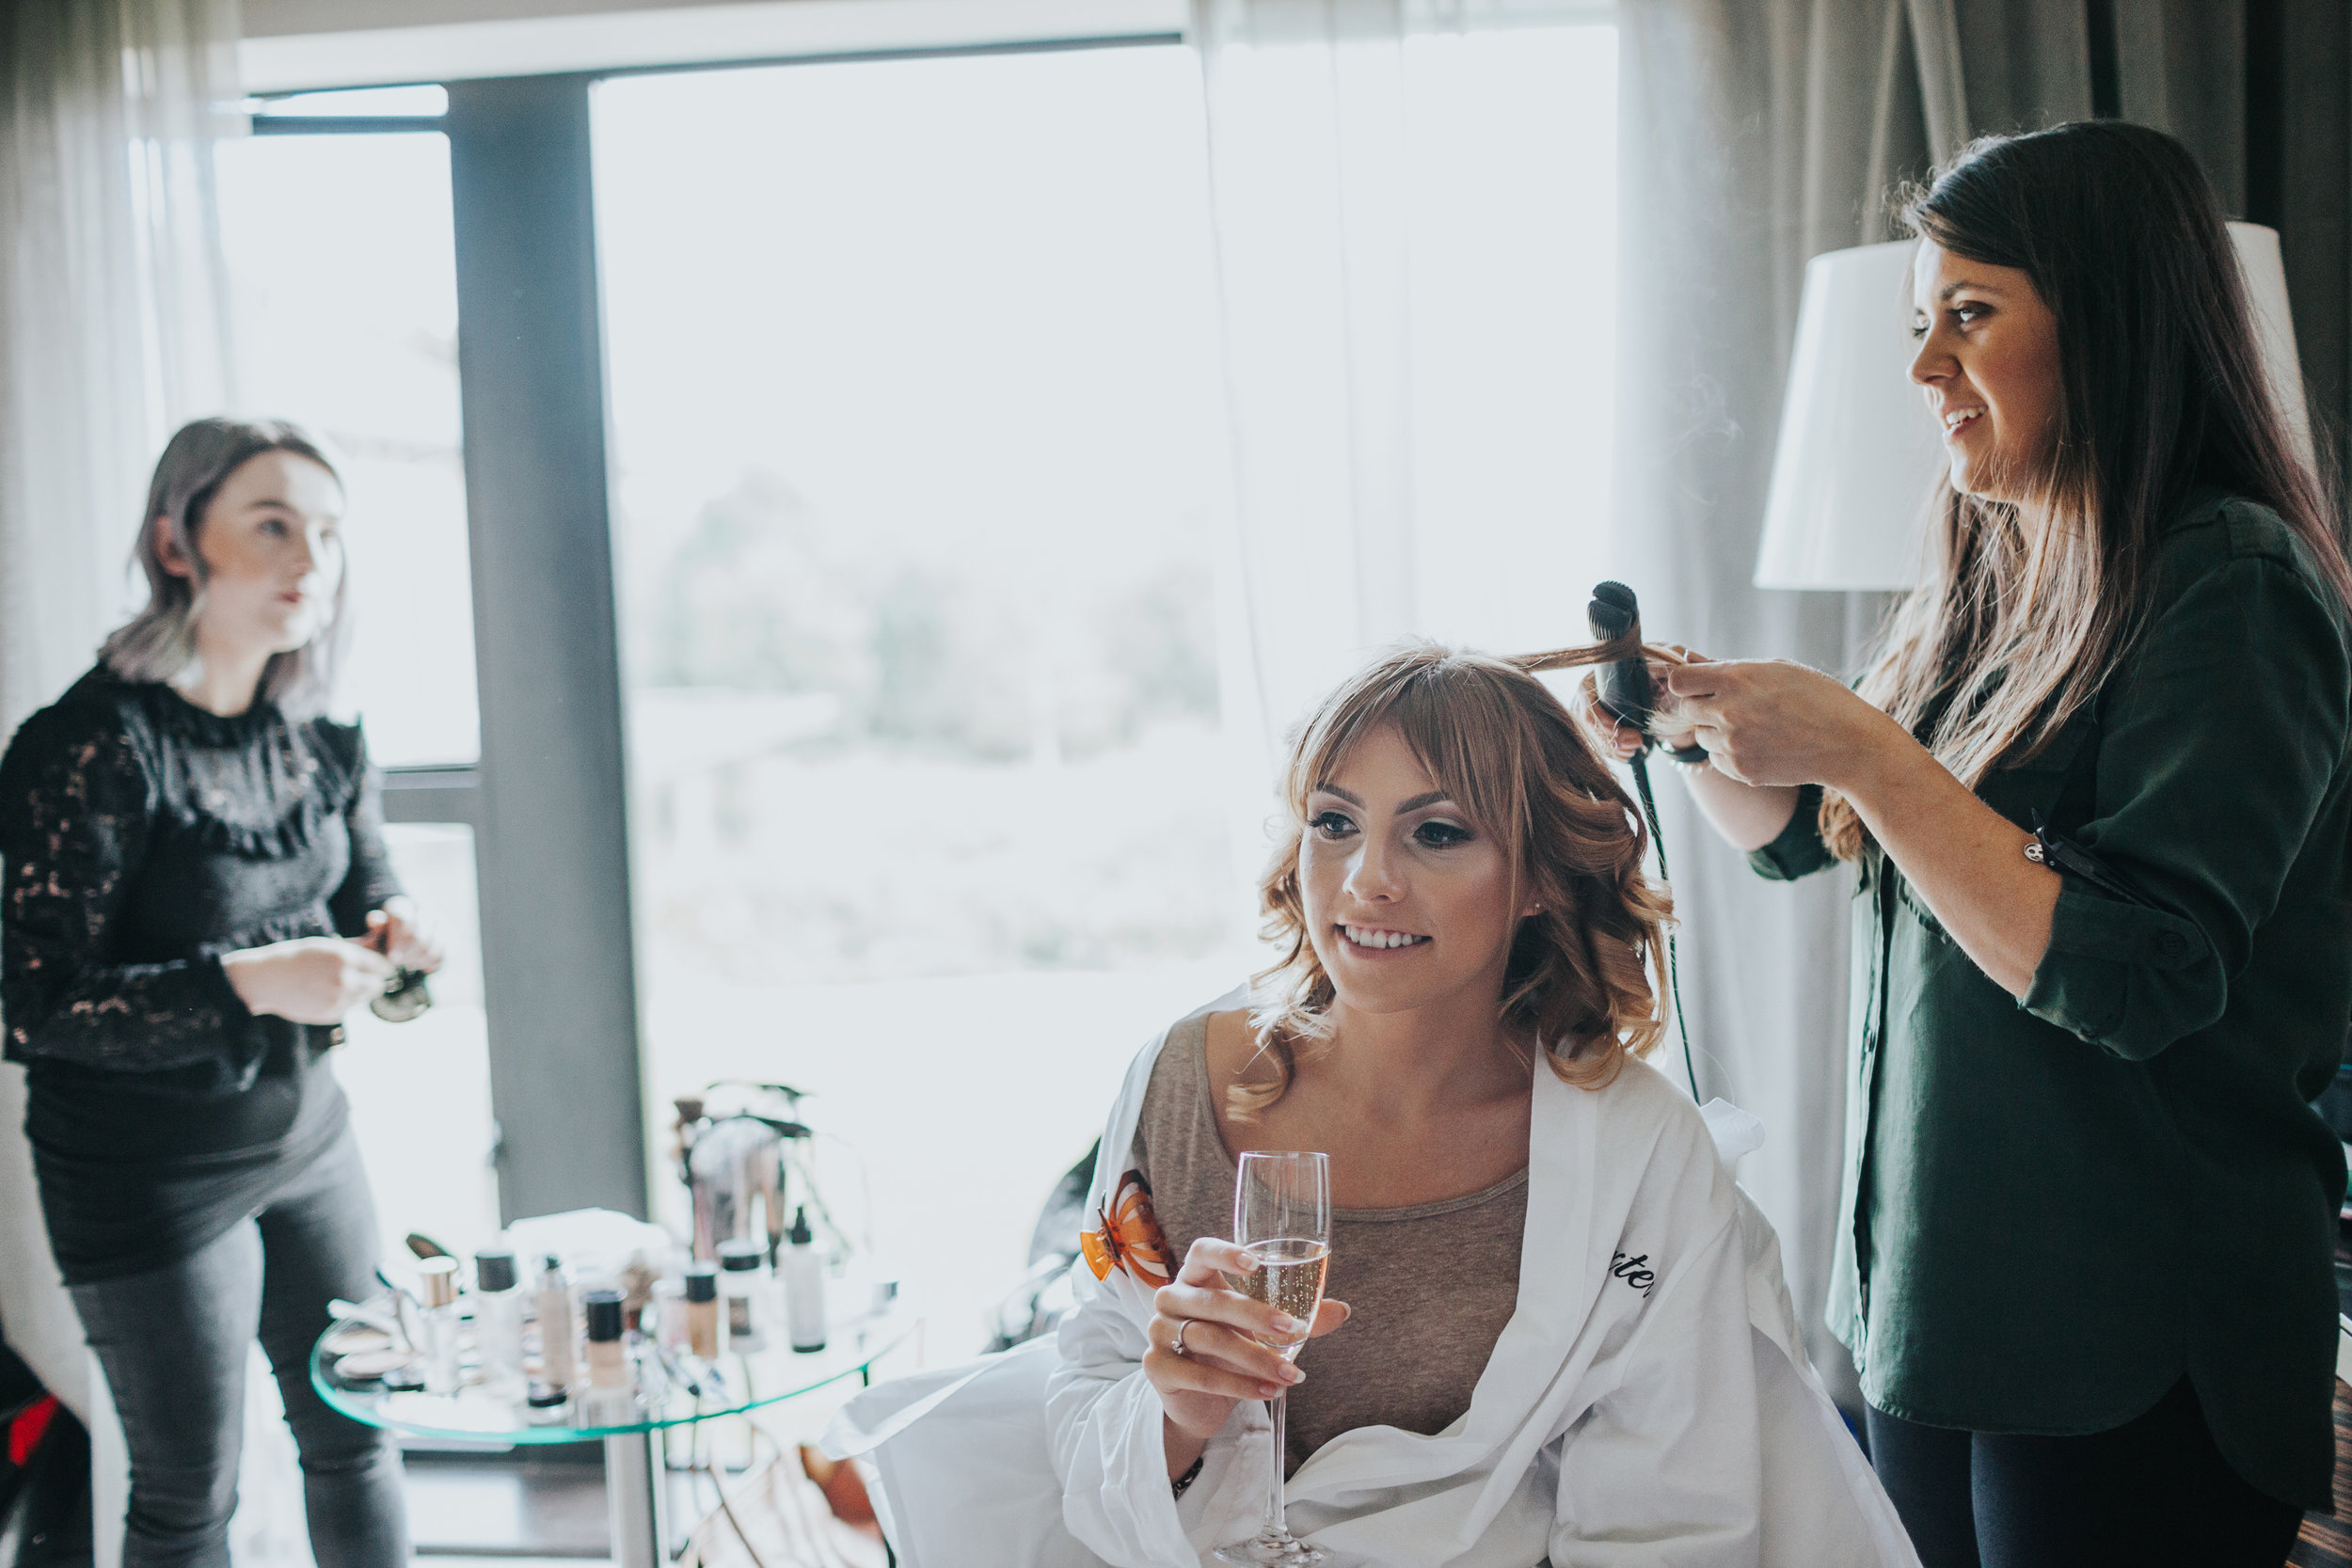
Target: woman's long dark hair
2027,608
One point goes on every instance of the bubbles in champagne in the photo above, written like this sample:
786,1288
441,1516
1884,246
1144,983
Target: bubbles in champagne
1290,1279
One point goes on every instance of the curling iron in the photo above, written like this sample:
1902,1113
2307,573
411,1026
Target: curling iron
1624,687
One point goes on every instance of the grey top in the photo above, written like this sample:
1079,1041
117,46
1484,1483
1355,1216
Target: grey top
1430,1285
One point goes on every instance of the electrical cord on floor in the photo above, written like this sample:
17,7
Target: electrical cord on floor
702,1463
812,1528
698,1463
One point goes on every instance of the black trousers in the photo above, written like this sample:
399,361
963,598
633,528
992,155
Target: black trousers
174,1343
2154,1493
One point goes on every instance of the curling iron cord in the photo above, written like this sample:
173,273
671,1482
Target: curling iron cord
1674,965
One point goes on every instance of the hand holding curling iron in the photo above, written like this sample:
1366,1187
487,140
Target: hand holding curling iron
1772,721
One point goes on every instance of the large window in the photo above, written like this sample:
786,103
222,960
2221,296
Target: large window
921,466
925,589
345,306
917,448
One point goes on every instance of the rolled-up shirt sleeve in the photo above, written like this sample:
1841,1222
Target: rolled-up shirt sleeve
2221,740
1799,851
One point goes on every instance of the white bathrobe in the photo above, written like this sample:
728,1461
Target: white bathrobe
1647,1403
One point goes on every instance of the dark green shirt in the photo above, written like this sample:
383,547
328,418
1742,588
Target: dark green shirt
2056,1208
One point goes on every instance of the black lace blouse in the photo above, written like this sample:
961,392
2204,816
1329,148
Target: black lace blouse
143,837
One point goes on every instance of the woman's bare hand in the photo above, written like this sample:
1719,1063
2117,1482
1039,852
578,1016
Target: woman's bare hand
1224,1360
1612,738
400,931
1771,722
1609,735
309,980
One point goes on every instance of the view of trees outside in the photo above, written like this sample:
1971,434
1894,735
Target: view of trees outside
922,712
919,462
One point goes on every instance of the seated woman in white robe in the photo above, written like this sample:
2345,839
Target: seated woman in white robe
1555,1330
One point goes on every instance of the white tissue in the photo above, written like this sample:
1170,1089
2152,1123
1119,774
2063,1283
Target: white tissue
1735,1132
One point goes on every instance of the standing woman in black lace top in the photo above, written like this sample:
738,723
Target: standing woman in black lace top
197,893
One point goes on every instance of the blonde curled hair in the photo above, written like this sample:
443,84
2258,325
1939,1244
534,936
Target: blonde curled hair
1585,977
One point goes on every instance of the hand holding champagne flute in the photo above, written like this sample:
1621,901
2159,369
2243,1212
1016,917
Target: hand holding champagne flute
1234,1345
1282,1221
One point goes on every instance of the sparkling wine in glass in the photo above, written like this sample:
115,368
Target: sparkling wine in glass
1282,1218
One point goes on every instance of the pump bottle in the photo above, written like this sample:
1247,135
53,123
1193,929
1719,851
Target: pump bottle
804,1285
559,1354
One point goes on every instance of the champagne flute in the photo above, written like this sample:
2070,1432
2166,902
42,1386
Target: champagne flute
1282,1218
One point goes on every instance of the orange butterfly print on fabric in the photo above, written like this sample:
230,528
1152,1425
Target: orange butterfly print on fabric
1127,1236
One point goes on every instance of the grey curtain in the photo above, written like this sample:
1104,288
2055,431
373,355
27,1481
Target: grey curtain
1757,133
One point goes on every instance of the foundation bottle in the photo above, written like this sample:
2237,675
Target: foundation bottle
558,1356
744,1283
701,1310
611,1400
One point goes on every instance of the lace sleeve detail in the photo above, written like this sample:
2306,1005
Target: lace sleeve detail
75,813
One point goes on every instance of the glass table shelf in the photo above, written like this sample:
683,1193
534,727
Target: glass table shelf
694,1391
675,1392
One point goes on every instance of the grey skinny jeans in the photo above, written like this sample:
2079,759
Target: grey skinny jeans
173,1342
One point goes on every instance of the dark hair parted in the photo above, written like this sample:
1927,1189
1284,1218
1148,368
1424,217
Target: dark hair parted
1585,972
2026,608
159,642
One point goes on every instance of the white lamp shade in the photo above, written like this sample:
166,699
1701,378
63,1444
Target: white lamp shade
1859,452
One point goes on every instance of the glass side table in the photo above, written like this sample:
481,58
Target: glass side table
635,1472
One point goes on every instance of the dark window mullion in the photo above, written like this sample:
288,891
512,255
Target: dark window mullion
557,949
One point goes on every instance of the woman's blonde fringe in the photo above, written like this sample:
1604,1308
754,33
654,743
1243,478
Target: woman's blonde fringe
1587,979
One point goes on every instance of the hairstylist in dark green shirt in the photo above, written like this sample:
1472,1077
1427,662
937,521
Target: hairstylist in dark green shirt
2085,1274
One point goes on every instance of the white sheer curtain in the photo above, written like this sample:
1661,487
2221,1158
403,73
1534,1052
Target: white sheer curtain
1306,129
113,329
1353,154
1414,213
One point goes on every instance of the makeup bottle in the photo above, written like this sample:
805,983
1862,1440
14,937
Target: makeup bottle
669,1315
804,1285
743,1282
610,1399
559,1357
440,1299
498,1321
701,1310
546,1405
